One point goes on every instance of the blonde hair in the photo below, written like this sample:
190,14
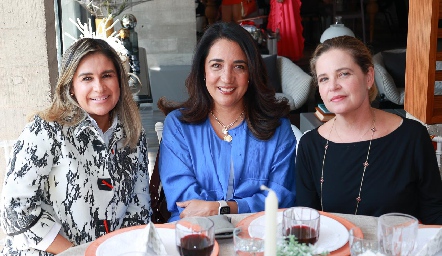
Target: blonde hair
65,109
356,48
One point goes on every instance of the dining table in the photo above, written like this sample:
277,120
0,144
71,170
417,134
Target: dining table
367,224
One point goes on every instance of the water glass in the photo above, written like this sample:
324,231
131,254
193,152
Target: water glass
249,244
303,223
195,236
362,246
397,234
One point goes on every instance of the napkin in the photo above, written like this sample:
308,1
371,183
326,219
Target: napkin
150,239
433,246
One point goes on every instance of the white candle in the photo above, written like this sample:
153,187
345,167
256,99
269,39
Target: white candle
271,222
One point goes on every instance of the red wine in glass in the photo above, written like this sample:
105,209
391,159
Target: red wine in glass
304,234
195,245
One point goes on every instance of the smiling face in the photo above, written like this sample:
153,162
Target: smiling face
226,73
95,86
342,84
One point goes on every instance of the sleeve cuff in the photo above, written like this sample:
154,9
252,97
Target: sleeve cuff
48,239
243,206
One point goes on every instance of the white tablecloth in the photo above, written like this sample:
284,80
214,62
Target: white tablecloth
367,224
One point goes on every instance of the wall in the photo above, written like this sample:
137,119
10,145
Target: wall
28,64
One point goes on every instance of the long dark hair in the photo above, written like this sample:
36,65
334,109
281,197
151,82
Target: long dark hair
262,109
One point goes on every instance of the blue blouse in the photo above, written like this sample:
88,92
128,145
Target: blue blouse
194,163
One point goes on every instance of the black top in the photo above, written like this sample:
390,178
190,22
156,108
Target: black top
402,175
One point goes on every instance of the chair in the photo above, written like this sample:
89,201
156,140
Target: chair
157,197
296,84
7,145
298,135
388,90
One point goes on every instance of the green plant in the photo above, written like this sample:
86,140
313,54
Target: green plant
293,248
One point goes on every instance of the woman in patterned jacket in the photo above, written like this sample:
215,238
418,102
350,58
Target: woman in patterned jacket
79,168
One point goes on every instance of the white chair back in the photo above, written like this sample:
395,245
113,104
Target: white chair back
7,146
298,135
159,130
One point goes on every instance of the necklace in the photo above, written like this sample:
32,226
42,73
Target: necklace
225,130
365,164
360,138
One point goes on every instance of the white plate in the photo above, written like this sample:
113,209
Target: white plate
332,234
127,242
424,235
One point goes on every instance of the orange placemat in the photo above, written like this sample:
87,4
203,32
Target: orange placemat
92,248
343,251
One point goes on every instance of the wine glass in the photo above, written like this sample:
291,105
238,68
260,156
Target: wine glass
195,236
397,234
303,223
361,246
249,241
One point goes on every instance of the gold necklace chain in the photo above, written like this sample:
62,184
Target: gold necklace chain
225,130
360,138
365,164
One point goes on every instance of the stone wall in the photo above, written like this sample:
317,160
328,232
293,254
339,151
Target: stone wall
28,65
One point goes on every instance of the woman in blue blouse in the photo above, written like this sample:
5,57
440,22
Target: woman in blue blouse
230,137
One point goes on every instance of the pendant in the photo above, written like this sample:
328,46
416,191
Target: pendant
228,138
225,131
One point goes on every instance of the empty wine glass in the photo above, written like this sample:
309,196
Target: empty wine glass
362,246
397,234
249,242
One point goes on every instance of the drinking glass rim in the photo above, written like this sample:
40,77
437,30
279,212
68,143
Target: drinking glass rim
393,214
292,209
180,225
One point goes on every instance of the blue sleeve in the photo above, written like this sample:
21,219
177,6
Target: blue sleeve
175,167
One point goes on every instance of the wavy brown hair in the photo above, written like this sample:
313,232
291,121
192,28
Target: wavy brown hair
65,109
357,50
262,110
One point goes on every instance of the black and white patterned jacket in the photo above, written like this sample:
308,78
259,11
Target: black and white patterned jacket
68,175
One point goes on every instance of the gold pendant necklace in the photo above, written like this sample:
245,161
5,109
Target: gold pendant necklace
365,164
225,129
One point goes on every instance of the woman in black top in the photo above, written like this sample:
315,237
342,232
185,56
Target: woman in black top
364,161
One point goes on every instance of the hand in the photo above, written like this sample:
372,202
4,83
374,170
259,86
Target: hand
60,244
198,208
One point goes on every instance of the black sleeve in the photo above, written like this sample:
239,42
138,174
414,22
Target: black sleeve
430,183
306,193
